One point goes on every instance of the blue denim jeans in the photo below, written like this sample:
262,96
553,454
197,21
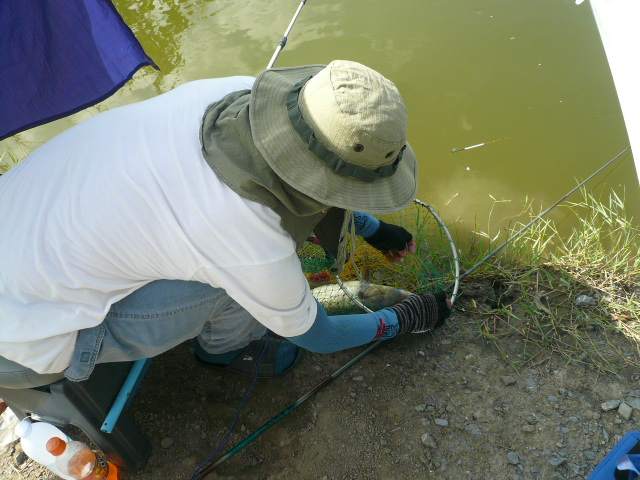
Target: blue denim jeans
159,316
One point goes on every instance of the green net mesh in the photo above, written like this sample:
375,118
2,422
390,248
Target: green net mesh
375,281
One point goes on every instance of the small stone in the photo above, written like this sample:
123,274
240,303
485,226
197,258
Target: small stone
359,378
420,408
514,458
610,405
442,422
528,428
474,430
585,301
557,461
19,457
625,411
167,442
428,440
508,380
553,399
634,402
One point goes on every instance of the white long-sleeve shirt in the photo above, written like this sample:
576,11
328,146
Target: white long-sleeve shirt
123,199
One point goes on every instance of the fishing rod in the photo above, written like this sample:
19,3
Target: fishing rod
210,468
528,225
204,470
283,40
207,470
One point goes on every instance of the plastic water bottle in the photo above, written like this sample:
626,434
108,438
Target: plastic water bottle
34,437
80,462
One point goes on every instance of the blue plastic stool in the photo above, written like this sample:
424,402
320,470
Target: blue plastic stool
606,469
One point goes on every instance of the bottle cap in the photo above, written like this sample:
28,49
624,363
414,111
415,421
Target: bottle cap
23,428
55,446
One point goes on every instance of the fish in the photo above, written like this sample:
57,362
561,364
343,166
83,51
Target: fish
374,296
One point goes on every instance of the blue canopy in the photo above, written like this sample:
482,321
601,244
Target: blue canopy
58,57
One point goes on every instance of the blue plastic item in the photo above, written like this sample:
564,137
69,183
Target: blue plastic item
128,390
607,467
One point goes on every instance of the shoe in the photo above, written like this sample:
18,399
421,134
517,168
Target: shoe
280,356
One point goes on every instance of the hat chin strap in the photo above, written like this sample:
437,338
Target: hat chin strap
331,159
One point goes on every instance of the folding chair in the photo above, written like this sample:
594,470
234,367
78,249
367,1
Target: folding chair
97,406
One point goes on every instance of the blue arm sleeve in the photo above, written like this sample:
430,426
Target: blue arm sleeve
366,225
330,334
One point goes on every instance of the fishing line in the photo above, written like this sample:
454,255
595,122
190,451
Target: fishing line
528,225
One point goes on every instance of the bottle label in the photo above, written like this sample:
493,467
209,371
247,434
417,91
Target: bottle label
100,470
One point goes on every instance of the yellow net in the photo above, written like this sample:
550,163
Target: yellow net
375,281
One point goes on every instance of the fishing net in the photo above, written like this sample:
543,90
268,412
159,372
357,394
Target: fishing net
370,281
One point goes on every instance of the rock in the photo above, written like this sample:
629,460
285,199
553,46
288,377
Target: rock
428,440
474,430
514,458
610,405
557,461
625,411
442,422
19,457
585,301
167,442
508,380
532,383
359,378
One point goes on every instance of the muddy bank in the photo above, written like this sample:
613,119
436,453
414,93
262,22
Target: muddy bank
445,405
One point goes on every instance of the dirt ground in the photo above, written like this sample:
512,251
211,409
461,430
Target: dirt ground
443,405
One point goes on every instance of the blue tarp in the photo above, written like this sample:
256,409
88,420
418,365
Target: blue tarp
60,56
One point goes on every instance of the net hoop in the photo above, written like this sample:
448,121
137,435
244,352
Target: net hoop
454,252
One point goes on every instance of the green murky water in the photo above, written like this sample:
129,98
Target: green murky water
530,72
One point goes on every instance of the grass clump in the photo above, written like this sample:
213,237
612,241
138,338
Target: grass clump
576,295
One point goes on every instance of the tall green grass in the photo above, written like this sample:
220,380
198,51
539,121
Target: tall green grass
538,278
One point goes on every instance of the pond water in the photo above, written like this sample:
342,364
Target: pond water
531,74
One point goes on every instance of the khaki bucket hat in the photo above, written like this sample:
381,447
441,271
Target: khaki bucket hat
337,133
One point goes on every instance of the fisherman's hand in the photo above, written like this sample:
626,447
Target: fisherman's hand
394,241
421,313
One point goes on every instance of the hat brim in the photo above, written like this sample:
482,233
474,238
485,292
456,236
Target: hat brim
289,157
